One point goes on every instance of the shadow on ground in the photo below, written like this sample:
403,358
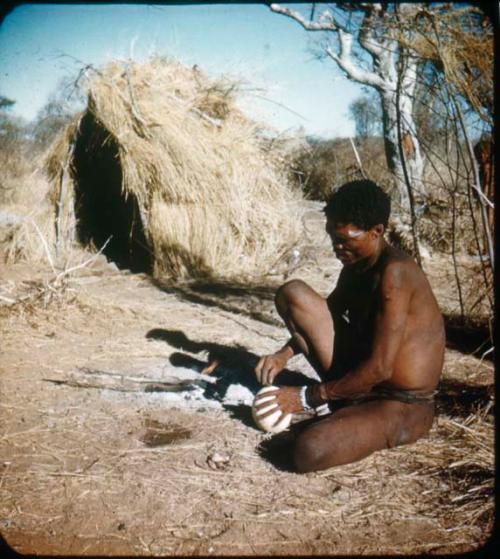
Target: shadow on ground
468,337
236,366
278,449
257,302
460,399
254,301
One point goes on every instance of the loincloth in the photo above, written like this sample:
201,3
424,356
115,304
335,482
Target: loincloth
405,396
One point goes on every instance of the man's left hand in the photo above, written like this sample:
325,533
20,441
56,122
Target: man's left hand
286,398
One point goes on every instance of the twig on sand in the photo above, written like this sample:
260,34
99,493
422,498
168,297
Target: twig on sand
83,264
211,380
45,245
54,284
126,387
87,378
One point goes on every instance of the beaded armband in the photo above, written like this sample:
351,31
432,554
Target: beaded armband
303,399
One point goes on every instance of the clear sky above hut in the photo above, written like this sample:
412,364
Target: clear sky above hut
285,85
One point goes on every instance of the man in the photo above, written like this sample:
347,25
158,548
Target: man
377,342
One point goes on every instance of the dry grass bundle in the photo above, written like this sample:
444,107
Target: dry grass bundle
462,455
460,43
33,237
30,235
14,158
13,168
189,164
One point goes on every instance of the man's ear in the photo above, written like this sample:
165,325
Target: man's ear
378,230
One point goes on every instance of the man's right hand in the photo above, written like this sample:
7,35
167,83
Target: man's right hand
270,366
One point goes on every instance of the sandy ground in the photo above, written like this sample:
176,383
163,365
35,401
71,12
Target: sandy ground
115,469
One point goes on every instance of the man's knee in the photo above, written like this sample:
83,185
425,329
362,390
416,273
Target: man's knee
416,425
291,294
309,454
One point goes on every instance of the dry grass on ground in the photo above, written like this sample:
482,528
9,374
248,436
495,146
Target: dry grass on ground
88,471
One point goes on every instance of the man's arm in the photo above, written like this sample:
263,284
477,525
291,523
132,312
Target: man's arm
395,294
270,366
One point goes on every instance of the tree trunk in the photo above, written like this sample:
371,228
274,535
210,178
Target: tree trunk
393,75
409,142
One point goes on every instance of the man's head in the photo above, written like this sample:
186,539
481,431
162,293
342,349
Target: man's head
357,216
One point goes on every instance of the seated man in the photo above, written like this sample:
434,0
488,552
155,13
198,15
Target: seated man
377,342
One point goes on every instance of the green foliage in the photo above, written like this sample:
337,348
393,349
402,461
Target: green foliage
326,164
63,103
367,115
11,131
5,103
49,121
13,145
12,128
315,168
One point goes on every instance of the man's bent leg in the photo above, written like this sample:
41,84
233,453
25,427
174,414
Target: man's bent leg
355,431
309,321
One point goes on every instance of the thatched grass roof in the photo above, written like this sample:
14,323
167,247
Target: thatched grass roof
211,198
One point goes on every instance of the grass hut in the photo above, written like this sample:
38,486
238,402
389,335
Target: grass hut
163,162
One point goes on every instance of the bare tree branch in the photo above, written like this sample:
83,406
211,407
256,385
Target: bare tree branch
368,6
366,37
83,264
45,245
325,22
345,61
358,159
476,184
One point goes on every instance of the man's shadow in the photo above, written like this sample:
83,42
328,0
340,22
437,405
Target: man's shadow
458,398
236,365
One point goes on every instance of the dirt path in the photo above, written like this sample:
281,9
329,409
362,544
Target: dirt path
99,471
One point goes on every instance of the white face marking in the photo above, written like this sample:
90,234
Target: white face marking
354,234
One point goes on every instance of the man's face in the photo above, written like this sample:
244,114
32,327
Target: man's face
350,243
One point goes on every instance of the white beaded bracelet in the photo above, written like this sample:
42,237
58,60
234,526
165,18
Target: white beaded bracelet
303,400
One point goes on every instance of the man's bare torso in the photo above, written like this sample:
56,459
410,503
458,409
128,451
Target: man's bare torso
355,304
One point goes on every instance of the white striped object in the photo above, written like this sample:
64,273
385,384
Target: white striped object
276,421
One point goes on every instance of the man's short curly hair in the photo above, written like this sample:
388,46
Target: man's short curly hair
361,203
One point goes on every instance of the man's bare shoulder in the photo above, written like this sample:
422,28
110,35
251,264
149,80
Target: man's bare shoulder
400,270
395,255
401,274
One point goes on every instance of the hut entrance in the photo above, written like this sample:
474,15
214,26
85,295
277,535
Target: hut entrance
101,209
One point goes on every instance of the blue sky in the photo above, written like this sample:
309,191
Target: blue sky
40,44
